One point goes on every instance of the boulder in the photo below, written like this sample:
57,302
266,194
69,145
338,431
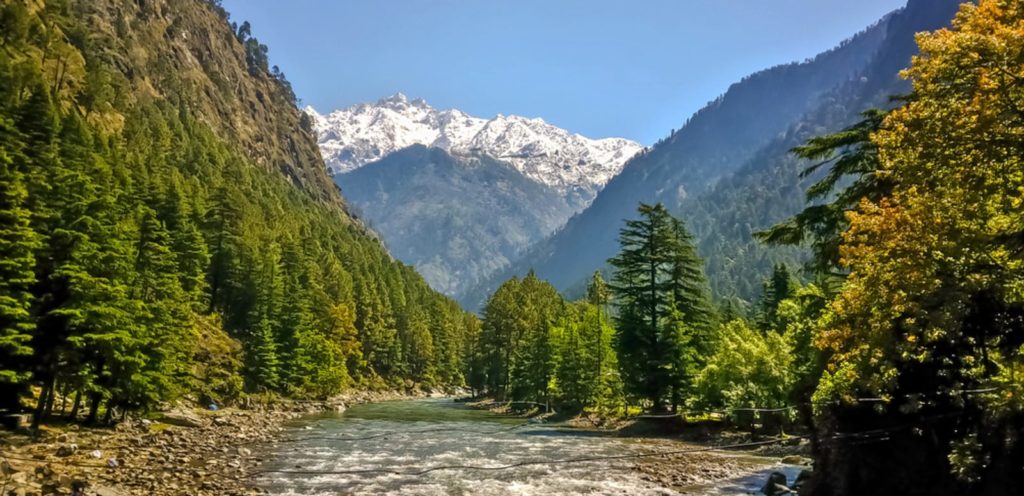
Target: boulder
776,485
106,491
182,419
67,449
802,480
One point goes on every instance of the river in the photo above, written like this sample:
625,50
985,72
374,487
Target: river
376,448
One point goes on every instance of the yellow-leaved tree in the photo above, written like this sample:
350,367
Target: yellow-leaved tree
925,339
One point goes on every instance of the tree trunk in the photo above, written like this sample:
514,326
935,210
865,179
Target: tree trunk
600,356
73,416
109,415
44,399
48,410
64,399
94,407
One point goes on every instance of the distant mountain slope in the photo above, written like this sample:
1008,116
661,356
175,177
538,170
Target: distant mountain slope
456,218
484,192
572,164
766,190
706,170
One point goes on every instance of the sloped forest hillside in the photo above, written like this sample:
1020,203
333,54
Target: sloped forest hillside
168,229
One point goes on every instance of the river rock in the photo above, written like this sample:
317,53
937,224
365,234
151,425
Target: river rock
106,491
776,485
795,460
67,449
182,419
803,480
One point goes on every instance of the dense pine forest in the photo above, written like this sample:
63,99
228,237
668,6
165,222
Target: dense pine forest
147,258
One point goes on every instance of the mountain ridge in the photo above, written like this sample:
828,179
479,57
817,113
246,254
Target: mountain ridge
456,218
574,165
751,122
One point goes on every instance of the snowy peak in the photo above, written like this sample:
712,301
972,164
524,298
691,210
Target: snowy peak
352,137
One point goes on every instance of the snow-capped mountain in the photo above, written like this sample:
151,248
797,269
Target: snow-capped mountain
570,163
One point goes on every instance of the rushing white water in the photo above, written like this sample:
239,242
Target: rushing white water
358,452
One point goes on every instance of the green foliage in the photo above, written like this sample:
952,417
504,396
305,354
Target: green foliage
749,369
852,162
144,259
664,313
516,339
18,246
780,286
586,372
535,347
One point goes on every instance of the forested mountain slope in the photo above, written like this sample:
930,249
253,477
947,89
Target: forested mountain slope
767,189
705,171
168,230
456,218
172,49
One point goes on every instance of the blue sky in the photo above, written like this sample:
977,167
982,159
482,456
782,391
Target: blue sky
597,67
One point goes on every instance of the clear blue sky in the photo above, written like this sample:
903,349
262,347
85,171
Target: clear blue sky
597,67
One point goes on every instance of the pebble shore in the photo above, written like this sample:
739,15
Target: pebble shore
182,452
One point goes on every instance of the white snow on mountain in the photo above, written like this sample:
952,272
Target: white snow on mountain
352,137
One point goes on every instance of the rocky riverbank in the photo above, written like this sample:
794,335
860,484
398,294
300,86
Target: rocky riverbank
182,452
748,461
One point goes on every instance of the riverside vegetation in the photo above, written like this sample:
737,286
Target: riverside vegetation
905,354
148,257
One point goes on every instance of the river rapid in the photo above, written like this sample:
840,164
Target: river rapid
378,448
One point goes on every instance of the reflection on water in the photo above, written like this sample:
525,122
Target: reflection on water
374,449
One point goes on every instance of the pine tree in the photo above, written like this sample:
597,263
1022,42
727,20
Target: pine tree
665,316
223,223
418,348
599,296
531,368
642,287
263,364
778,287
500,336
691,295
164,311
18,245
193,258
852,160
575,375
